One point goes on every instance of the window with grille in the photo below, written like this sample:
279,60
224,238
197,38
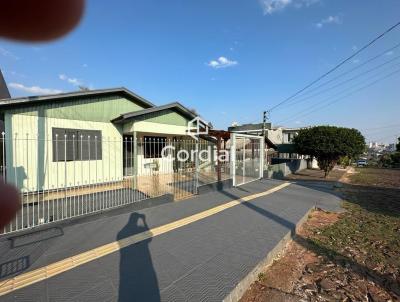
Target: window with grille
76,144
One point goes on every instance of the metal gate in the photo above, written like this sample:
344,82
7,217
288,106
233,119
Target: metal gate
246,158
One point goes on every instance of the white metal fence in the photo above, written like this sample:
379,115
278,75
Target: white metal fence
71,175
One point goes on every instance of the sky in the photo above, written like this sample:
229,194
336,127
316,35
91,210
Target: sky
229,60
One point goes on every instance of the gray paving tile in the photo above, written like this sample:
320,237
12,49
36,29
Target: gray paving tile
202,261
103,291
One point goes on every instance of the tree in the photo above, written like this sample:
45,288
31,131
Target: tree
328,143
398,145
385,161
395,157
344,161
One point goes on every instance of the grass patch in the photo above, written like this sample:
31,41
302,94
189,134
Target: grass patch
377,177
367,235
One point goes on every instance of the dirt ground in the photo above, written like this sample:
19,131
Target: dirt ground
352,256
317,174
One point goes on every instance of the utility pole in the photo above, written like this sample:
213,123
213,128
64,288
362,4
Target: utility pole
264,122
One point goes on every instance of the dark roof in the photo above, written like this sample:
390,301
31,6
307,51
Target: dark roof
173,106
72,95
4,93
286,148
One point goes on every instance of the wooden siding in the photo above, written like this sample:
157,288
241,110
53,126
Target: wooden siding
167,116
100,109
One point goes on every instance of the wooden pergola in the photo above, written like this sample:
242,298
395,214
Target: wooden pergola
220,135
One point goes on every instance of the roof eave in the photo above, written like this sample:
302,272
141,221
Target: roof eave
177,106
13,102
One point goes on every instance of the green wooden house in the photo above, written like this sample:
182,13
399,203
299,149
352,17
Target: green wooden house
84,137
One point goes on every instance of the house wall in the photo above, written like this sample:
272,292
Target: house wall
275,135
172,123
29,157
156,128
288,136
166,123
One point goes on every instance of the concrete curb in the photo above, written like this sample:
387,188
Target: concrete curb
244,285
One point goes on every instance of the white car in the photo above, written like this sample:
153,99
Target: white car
361,163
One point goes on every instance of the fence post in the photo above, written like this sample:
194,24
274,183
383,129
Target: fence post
197,166
233,158
262,150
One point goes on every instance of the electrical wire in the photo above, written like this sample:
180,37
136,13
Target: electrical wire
339,99
337,66
346,81
349,71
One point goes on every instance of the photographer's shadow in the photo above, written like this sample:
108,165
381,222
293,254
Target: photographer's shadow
138,280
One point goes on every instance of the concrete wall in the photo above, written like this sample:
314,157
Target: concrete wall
283,169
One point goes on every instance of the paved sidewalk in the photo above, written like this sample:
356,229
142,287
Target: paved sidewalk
203,260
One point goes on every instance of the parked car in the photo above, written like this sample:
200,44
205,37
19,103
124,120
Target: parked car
361,163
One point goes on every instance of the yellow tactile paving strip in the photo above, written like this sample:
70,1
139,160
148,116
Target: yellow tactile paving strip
9,285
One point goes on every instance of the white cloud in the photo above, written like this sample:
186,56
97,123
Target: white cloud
222,62
73,81
6,53
85,65
34,89
329,20
272,6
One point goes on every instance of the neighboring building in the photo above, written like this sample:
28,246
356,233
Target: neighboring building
257,129
283,138
391,147
279,138
57,140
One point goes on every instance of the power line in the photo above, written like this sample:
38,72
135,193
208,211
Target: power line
347,81
339,99
350,70
340,94
337,66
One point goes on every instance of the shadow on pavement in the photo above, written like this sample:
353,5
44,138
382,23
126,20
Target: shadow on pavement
138,279
371,198
386,281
